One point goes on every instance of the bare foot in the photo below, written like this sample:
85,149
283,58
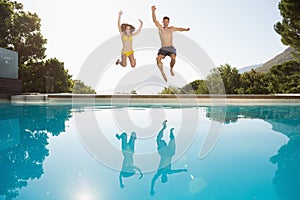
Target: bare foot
164,122
172,72
118,136
160,66
133,134
118,62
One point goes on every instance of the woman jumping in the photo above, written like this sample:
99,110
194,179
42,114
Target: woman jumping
127,32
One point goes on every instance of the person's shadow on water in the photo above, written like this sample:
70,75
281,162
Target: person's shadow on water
128,168
166,152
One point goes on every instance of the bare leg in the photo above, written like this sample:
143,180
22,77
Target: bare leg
172,63
131,142
123,138
160,66
171,145
172,137
132,61
118,61
123,62
159,141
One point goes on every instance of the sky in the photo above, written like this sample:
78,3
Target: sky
236,32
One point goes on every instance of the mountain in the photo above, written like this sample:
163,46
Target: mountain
285,56
248,68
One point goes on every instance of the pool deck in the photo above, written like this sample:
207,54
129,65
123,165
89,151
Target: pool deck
153,99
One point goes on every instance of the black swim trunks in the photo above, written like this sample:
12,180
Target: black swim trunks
167,51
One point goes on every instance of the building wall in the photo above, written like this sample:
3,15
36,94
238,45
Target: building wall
9,82
8,64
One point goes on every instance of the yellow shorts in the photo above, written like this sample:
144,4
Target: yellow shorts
127,53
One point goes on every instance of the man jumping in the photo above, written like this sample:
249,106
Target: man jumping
167,49
166,152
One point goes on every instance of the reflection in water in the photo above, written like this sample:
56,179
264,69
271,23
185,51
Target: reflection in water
166,152
26,129
287,177
128,167
286,120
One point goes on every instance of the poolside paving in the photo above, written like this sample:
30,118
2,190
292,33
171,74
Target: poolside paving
157,99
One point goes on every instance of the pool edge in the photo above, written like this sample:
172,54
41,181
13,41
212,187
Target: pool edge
169,99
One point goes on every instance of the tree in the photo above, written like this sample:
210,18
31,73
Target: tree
195,87
133,92
289,28
285,78
253,83
62,80
81,88
202,88
231,78
40,76
6,10
20,31
223,77
221,80
215,83
170,90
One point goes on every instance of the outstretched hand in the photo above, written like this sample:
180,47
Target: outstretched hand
187,29
152,192
141,22
153,8
141,176
121,12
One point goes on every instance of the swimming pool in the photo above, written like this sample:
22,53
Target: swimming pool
56,151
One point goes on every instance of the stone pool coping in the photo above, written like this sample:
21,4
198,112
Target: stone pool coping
157,99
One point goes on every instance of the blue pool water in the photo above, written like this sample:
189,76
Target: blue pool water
53,151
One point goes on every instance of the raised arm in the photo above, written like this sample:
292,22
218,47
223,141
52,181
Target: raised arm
119,21
173,171
121,181
179,29
157,24
140,28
